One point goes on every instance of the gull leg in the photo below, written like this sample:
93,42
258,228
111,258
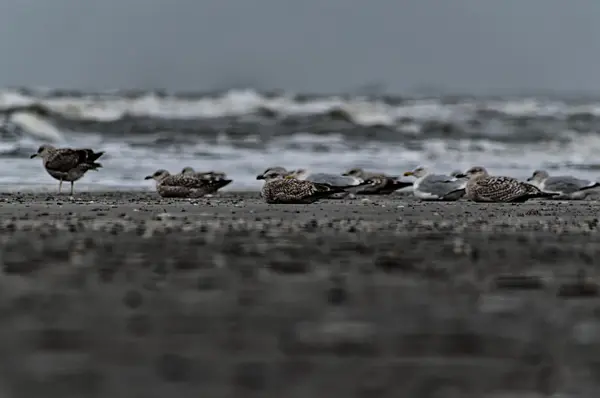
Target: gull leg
59,186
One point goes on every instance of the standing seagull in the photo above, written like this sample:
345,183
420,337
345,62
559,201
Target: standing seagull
482,187
566,187
382,184
182,186
439,187
67,164
281,188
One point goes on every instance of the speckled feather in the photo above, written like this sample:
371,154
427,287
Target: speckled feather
67,164
66,159
500,189
382,185
188,186
290,190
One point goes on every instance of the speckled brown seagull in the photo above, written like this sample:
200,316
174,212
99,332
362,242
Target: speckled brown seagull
285,189
182,186
219,178
205,174
67,164
482,187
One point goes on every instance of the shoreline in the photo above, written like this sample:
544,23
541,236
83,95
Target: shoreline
229,295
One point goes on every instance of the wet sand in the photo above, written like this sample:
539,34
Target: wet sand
126,294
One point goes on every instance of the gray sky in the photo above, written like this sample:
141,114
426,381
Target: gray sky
303,45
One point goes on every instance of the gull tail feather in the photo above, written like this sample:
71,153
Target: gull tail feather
592,186
535,195
454,195
324,190
89,156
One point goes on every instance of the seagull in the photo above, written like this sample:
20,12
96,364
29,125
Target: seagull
326,178
205,174
438,187
183,186
281,188
351,184
482,187
208,175
566,186
67,164
360,173
382,184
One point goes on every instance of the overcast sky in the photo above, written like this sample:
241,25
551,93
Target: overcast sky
303,45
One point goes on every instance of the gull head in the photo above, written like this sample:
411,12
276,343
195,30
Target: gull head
158,175
273,175
188,170
474,172
418,172
354,173
278,170
43,151
538,176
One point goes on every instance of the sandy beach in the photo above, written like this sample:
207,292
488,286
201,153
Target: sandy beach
126,294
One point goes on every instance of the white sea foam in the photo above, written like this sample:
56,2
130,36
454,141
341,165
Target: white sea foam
125,166
242,102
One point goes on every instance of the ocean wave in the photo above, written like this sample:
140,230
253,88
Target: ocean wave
403,114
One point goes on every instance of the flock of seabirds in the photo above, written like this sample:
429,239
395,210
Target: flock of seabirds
301,187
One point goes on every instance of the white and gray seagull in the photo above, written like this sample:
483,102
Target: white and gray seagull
436,187
327,178
567,187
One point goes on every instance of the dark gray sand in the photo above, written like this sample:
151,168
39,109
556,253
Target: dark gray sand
127,295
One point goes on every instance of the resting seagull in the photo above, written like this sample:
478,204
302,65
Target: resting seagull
382,184
326,178
215,175
439,187
566,187
482,187
182,186
280,188
218,177
67,164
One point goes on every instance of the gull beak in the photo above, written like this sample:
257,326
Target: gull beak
346,174
530,179
461,175
260,177
408,173
33,156
148,178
